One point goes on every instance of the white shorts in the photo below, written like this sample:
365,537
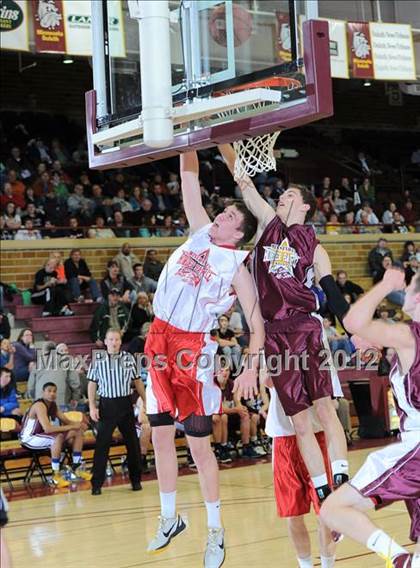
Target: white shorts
39,441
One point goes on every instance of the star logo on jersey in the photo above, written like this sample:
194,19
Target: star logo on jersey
194,267
282,258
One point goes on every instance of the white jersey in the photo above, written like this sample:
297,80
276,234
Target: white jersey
195,286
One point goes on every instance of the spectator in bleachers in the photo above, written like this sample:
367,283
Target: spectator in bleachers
31,198
388,215
398,225
126,261
152,266
39,433
55,211
4,326
347,286
397,296
140,282
137,343
267,193
59,152
56,365
60,188
97,200
7,354
9,197
372,219
34,214
43,185
100,231
120,201
228,344
28,233
141,313
168,229
408,212
408,251
346,191
25,355
367,191
80,205
74,232
18,189
38,151
115,280
80,277
111,314
161,202
337,342
411,269
47,291
383,313
348,226
332,227
376,256
340,204
119,227
19,164
136,198
11,218
9,404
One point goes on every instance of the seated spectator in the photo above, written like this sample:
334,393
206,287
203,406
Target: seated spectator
20,164
238,418
367,210
337,342
137,343
80,205
267,196
75,232
152,266
411,269
5,234
28,233
25,355
398,225
111,314
181,226
388,215
40,433
168,229
18,189
228,344
349,227
34,214
30,197
408,251
387,358
236,323
80,277
4,326
119,229
161,203
55,211
332,226
136,198
120,202
7,352
11,218
59,267
383,313
141,313
347,286
60,188
367,191
38,151
55,365
100,231
140,282
9,404
43,185
9,197
346,191
397,296
97,200
376,256
340,205
48,292
116,281
409,214
126,261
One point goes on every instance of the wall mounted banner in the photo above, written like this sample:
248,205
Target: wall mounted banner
338,48
360,50
77,23
14,25
49,26
393,52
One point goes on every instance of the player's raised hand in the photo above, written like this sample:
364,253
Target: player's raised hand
246,384
394,278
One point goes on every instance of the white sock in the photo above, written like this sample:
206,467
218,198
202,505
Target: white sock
327,561
213,514
305,562
168,504
319,480
416,561
254,438
383,545
55,465
340,466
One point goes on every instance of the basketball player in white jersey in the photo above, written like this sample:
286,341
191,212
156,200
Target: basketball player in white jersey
392,473
199,283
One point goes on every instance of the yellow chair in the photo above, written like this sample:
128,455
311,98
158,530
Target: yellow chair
8,425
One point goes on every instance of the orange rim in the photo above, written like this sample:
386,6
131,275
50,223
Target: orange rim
274,82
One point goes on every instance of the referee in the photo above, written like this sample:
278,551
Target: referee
111,374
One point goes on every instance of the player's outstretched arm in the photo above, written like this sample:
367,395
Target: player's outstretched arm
246,383
191,195
359,319
252,199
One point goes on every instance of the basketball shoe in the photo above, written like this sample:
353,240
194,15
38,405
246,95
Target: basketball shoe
167,530
59,480
215,550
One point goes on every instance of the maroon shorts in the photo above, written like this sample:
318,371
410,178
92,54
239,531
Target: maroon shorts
296,355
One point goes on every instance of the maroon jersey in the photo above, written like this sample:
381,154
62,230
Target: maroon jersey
283,270
32,426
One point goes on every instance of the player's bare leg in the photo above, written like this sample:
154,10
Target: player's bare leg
327,546
344,512
299,535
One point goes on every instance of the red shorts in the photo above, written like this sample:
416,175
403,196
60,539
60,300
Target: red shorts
292,483
181,372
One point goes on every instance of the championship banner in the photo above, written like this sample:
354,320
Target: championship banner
360,50
393,52
78,28
49,26
14,25
284,44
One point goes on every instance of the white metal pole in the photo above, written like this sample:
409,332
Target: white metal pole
155,69
98,58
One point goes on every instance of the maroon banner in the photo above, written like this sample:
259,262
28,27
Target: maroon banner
49,26
360,50
284,40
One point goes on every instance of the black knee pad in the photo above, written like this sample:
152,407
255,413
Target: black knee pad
160,419
198,426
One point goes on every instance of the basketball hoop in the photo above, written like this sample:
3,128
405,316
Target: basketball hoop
256,155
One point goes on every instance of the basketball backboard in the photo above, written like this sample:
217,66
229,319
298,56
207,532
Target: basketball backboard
217,48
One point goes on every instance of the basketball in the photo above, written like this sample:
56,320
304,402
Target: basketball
242,25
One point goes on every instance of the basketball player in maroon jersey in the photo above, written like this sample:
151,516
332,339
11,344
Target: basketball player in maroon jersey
391,473
287,257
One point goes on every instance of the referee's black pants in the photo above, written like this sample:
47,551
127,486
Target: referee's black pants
115,412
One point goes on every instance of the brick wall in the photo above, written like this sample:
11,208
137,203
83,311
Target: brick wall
20,260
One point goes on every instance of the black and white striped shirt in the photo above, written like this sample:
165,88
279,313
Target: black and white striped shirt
113,373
